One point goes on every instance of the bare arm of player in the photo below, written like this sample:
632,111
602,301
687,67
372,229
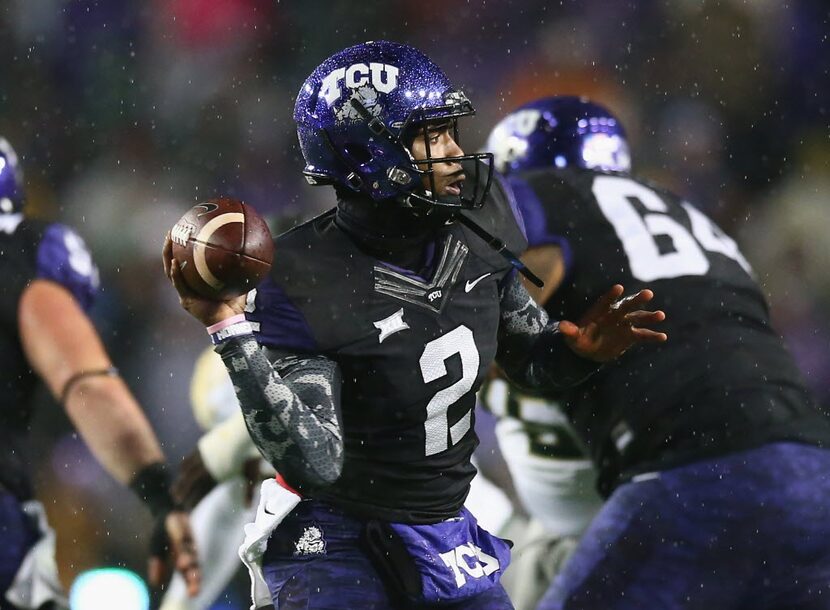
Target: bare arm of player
60,343
291,406
539,354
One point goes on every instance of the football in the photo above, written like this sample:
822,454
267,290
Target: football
224,248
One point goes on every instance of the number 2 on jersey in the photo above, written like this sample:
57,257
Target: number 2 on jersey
638,232
434,366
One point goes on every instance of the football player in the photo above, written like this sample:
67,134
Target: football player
357,367
553,477
708,447
216,484
50,282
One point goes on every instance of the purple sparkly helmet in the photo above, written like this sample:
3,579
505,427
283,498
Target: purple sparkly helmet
561,131
361,108
11,180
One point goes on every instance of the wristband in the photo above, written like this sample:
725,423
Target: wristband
240,317
152,486
229,328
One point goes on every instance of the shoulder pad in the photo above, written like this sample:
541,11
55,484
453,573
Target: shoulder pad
63,257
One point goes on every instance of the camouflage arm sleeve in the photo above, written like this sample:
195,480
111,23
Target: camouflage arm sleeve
291,409
532,351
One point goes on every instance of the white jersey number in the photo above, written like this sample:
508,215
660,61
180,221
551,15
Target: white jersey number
433,366
638,232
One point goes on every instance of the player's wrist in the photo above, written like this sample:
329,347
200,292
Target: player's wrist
225,322
572,367
228,328
211,313
152,486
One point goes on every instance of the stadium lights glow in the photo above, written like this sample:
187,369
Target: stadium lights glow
108,588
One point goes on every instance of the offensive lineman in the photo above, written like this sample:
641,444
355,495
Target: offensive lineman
708,447
49,283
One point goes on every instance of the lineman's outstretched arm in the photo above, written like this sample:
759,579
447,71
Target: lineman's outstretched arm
542,355
64,349
61,343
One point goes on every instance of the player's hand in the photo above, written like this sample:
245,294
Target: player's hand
193,481
208,312
173,547
612,325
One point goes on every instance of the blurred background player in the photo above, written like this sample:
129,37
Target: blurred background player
553,480
708,447
218,483
49,282
378,322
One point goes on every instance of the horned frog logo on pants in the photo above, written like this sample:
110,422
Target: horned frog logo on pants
310,543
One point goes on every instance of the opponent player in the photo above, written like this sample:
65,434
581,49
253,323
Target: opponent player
218,483
379,321
50,281
552,475
708,446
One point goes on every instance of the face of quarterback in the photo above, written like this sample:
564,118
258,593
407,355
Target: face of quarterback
438,142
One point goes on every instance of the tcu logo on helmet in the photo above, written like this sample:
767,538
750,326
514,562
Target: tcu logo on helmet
7,151
524,122
383,77
508,141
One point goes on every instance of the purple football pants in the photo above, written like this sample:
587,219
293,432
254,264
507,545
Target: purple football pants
746,531
314,562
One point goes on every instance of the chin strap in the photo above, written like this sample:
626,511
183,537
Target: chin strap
500,247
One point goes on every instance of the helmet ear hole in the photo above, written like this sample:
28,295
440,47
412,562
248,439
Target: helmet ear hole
358,153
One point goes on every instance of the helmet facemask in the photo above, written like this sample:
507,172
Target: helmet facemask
424,121
414,179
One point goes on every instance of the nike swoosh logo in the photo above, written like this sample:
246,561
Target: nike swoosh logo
472,283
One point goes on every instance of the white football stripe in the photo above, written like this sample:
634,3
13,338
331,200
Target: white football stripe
203,237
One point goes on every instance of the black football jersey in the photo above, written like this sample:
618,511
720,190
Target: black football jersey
412,352
723,381
30,250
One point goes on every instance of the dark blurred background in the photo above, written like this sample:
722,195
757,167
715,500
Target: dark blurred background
126,113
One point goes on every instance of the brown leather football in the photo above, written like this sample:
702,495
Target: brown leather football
224,248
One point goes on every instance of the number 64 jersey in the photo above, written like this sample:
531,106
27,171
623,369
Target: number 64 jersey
411,350
722,382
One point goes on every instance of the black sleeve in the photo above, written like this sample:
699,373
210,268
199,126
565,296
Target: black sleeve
291,409
532,351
